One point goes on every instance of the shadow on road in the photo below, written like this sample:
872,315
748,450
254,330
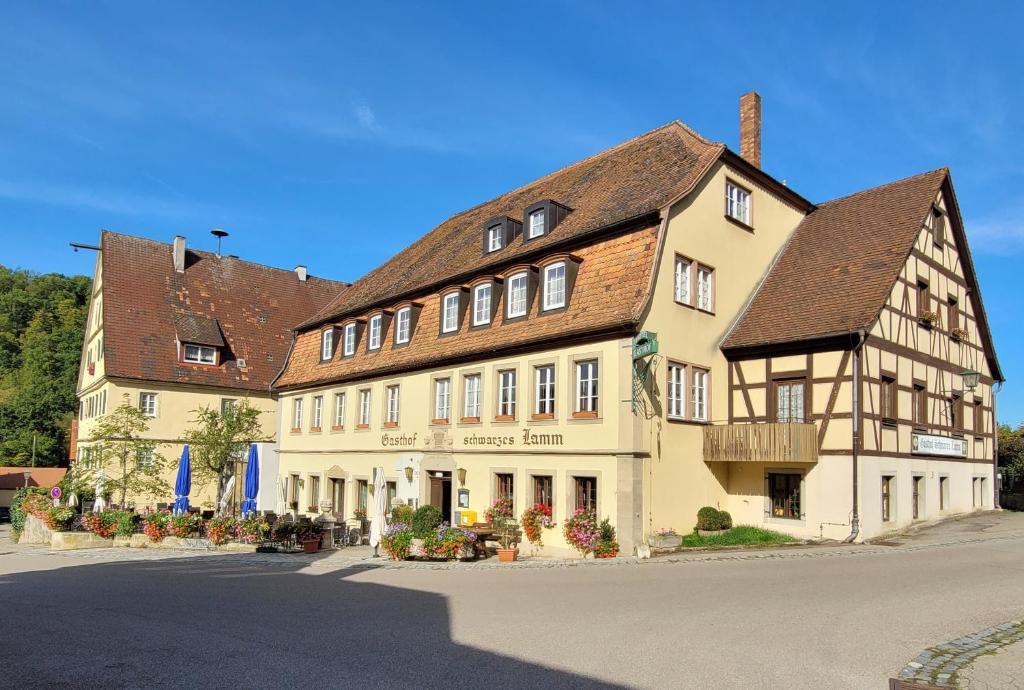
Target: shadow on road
225,622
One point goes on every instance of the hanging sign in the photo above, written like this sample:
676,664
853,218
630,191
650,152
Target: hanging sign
645,343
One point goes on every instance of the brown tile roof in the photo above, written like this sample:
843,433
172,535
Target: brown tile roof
609,292
838,268
622,183
14,477
249,307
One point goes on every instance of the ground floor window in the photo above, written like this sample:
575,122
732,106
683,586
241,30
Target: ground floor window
362,495
586,493
338,496
314,493
943,493
784,493
392,493
504,486
917,484
542,490
295,491
887,486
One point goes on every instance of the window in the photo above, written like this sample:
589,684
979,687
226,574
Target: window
403,320
536,224
924,300
364,408
888,399
494,238
442,399
227,405
554,286
147,404
392,492
471,408
314,492
482,304
362,494
144,459
976,492
544,391
373,341
953,312
938,226
887,487
920,404
339,410
737,202
294,494
392,411
979,419
542,490
318,412
682,280
200,354
297,414
784,494
507,394
327,345
917,496
586,493
699,399
676,387
705,288
956,413
516,299
450,322
943,493
504,486
789,400
350,340
586,388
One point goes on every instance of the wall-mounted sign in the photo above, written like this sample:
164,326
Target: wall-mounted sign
645,343
930,444
529,437
463,498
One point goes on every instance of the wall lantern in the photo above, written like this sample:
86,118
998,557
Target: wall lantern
28,475
970,378
408,474
462,476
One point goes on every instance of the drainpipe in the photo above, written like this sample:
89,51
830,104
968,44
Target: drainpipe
995,447
855,440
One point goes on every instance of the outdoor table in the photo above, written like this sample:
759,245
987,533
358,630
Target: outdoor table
483,532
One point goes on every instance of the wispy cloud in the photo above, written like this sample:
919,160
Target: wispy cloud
1001,233
367,119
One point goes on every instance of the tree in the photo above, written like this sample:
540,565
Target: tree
1011,454
220,438
130,462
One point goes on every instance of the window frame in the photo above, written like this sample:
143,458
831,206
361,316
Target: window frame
789,380
340,403
887,491
536,213
676,401
746,219
201,349
365,408
486,320
510,295
938,226
543,485
392,406
544,391
143,408
710,272
442,389
298,413
507,407
327,344
920,404
445,298
978,423
403,334
491,237
349,345
786,495
546,303
888,399
585,486
688,273
378,321
705,376
587,403
316,417
466,417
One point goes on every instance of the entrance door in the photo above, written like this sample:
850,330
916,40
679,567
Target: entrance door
441,492
916,486
338,497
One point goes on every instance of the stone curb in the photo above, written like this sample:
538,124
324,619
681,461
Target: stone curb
940,665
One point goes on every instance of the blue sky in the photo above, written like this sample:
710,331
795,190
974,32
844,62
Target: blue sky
333,134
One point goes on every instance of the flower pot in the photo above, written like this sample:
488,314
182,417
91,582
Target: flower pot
665,541
311,546
508,555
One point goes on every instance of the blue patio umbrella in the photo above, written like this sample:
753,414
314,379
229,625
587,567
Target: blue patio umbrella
252,481
183,484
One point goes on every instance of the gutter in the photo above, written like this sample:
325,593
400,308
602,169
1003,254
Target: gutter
855,440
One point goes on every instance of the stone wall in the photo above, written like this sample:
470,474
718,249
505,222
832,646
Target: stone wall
35,531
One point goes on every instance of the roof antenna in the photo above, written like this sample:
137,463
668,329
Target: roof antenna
219,234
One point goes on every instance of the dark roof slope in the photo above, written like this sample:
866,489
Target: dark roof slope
248,307
622,183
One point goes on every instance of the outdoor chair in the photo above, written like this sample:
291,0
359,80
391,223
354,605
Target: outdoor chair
161,507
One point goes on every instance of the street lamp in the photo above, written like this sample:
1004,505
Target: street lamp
970,379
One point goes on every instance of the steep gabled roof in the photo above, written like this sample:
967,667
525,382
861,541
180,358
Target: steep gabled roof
837,270
218,300
622,183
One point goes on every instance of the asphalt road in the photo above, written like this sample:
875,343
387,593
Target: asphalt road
844,621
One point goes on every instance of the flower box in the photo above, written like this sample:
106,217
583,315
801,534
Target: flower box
508,555
665,541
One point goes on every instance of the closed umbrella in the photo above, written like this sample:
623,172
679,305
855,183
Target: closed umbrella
252,481
226,498
183,484
380,508
100,504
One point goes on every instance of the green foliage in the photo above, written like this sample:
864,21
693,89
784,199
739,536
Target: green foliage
119,445
425,520
59,517
744,535
219,530
78,482
253,530
18,512
1011,453
709,518
125,522
42,326
402,513
218,438
397,540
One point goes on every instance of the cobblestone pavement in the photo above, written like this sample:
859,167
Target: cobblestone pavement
1001,670
941,665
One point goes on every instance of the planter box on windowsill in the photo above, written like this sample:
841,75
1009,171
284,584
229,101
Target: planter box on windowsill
390,425
470,420
584,415
439,422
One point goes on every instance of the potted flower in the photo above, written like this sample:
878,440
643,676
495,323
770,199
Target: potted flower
500,509
606,546
309,536
359,514
581,531
959,333
219,530
397,540
928,318
665,538
155,526
313,508
252,530
533,520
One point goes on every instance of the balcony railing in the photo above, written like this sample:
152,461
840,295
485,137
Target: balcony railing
787,442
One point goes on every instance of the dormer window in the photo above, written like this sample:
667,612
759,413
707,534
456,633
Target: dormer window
494,238
349,347
554,286
536,224
200,354
403,322
450,313
518,285
542,217
482,304
499,232
327,345
373,339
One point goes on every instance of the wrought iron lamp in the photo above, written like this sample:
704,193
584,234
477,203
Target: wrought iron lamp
408,474
970,378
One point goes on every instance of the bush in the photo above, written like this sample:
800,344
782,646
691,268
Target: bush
253,530
156,526
19,510
101,524
58,518
183,525
447,542
397,540
124,523
606,546
402,513
425,520
709,519
219,530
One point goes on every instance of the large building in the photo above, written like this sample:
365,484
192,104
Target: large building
656,328
173,329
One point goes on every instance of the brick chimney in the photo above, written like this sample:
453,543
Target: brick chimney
179,254
750,128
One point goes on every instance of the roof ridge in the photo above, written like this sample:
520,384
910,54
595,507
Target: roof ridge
105,231
944,169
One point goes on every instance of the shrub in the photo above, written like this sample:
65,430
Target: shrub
447,542
156,526
581,530
284,531
725,520
402,513
606,546
183,525
710,519
219,530
425,520
397,540
103,524
59,518
252,530
535,518
124,523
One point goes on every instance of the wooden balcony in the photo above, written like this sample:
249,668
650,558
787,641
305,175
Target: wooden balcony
790,442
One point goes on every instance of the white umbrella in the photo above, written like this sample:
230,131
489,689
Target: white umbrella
380,508
226,497
282,504
73,500
100,504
